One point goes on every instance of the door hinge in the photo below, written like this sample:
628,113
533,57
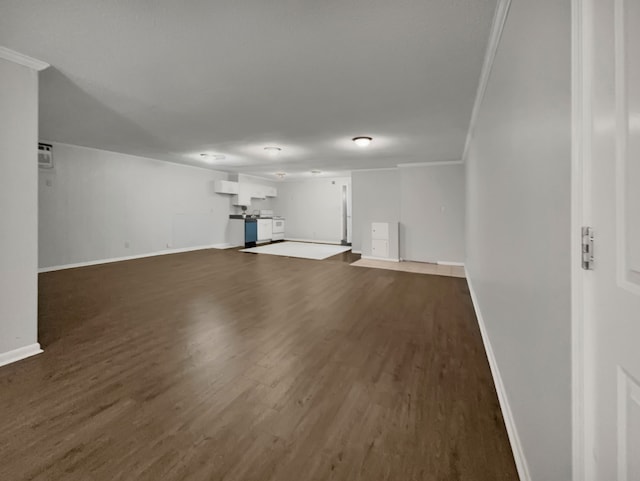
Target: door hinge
587,248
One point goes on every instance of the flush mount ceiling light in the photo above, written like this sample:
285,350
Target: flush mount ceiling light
316,172
281,174
272,151
362,141
212,156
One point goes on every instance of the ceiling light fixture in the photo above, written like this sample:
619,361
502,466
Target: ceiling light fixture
316,172
281,174
273,151
362,141
212,156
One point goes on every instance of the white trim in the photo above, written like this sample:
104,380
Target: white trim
386,259
138,157
373,170
581,112
314,241
431,164
497,27
447,263
226,246
356,252
21,59
622,140
628,390
129,258
20,353
514,439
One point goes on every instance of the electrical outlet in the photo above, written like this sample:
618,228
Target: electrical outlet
126,244
168,245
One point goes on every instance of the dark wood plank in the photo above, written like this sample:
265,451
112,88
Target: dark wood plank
217,365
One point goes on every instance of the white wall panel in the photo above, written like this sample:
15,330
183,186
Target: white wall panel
18,207
312,208
518,227
432,210
100,205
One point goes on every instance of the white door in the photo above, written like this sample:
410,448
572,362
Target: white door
610,43
349,215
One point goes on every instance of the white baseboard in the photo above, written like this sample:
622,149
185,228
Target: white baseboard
447,263
315,241
514,439
20,353
128,258
380,259
356,252
225,246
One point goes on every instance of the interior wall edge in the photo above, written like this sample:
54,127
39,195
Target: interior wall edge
431,164
139,157
499,20
317,241
22,59
507,415
19,353
96,262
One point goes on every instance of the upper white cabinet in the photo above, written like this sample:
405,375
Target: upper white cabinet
226,187
244,195
247,191
258,191
243,190
271,192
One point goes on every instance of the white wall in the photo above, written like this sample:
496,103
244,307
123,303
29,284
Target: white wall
18,208
432,206
94,203
376,198
312,208
518,220
427,201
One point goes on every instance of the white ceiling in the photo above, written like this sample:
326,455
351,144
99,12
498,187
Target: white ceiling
169,80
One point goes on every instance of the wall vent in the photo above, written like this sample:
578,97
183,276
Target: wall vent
45,156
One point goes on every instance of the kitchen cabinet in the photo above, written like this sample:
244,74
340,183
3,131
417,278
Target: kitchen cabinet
247,191
380,239
385,240
271,192
236,232
225,187
258,191
244,195
265,230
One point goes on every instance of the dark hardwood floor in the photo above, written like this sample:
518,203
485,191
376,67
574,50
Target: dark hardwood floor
219,365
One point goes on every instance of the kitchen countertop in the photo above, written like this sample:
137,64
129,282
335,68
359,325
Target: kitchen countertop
251,217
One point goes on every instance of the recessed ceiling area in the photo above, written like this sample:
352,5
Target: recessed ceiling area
169,80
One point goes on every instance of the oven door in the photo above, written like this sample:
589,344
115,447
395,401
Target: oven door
278,226
278,229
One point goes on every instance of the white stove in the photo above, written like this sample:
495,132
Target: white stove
278,228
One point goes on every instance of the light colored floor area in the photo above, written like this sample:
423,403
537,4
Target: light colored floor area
305,250
415,267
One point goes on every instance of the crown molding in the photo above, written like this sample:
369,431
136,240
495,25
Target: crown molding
499,19
24,60
431,164
374,169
